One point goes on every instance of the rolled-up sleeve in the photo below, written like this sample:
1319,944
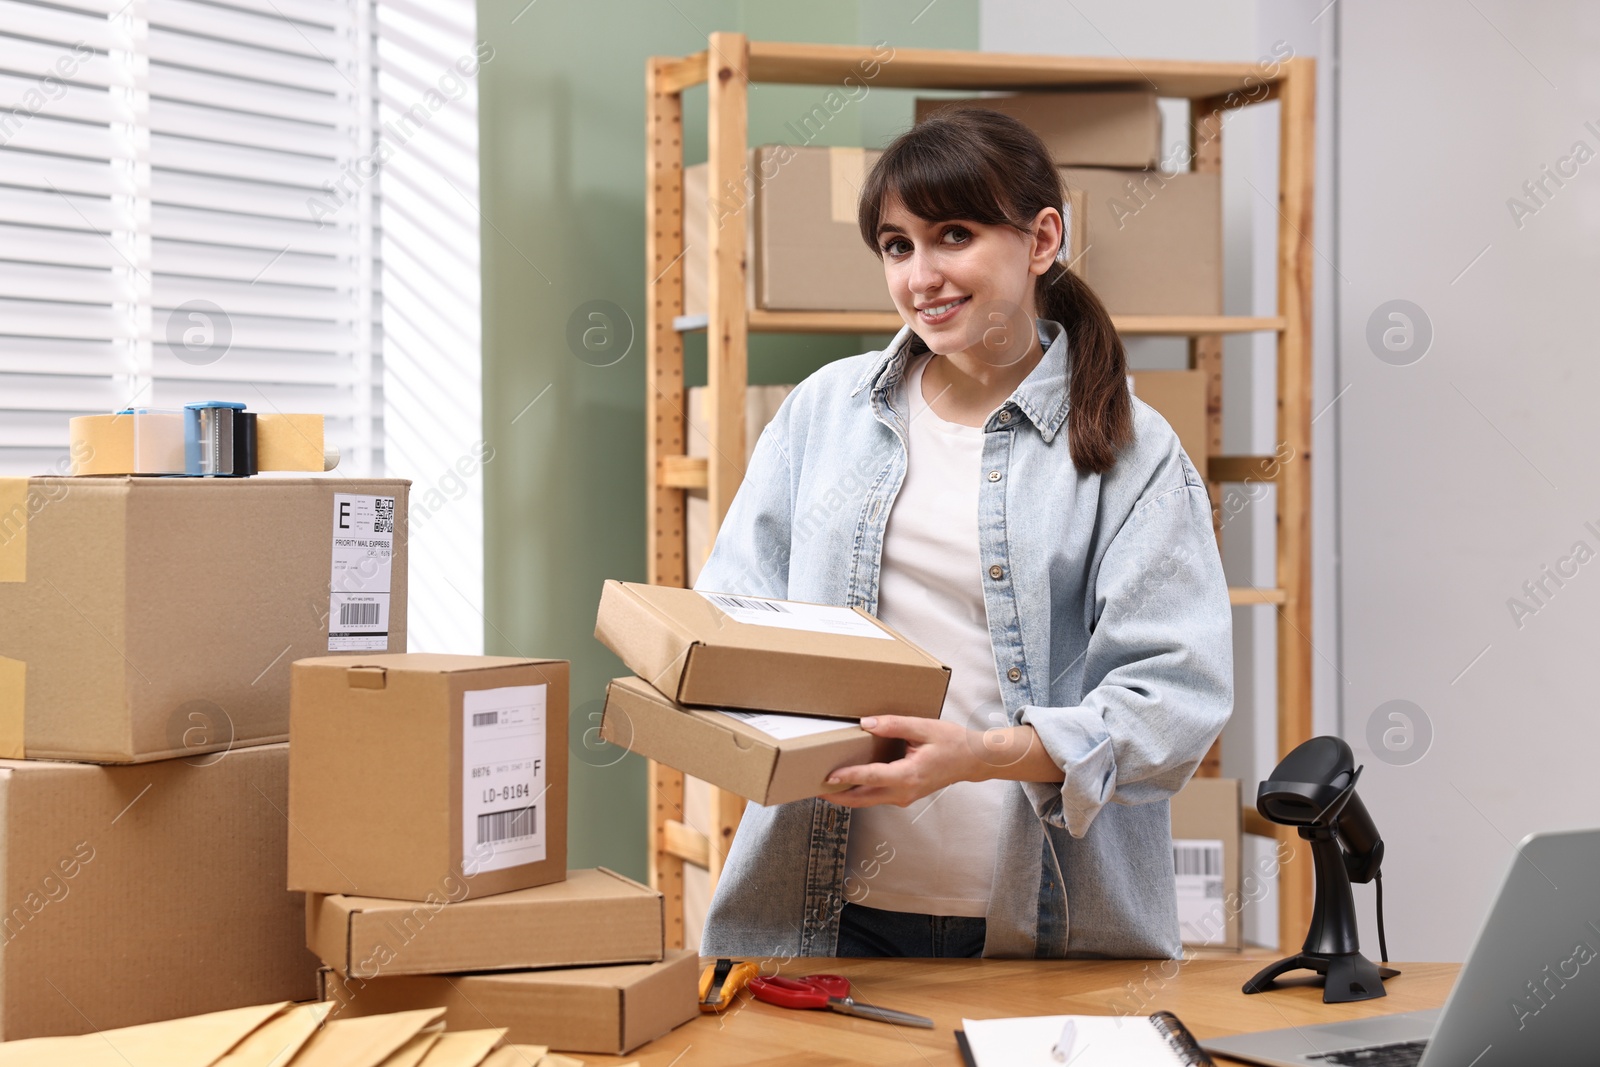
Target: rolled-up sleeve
1159,659
751,552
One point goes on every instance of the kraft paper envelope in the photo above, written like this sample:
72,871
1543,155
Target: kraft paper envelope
364,1042
410,1054
275,1043
463,1048
522,1056
198,1041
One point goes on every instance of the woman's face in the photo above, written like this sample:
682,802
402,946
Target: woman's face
967,286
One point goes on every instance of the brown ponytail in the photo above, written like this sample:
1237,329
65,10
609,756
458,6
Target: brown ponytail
982,166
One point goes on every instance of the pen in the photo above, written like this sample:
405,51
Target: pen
1062,1050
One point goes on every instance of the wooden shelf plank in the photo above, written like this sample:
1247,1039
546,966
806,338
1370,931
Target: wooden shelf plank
675,75
925,68
1194,325
686,843
1249,594
1243,468
889,322
1256,823
689,472
683,472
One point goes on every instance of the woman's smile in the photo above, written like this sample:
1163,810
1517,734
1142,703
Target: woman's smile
933,314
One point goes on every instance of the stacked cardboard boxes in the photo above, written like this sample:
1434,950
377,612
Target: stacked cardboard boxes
1154,237
804,247
428,795
1148,241
149,624
757,696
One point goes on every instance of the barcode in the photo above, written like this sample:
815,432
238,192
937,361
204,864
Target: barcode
1197,860
485,718
383,521
507,825
727,600
358,614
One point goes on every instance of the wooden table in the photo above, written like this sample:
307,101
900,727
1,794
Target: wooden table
1204,993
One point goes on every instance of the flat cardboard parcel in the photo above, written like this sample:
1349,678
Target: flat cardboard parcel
732,754
722,650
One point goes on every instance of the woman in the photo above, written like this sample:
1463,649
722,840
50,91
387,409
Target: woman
987,486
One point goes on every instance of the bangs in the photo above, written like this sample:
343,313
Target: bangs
939,175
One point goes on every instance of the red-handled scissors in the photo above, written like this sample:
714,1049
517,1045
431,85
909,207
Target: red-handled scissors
827,991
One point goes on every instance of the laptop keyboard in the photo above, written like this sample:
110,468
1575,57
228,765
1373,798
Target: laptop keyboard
1398,1054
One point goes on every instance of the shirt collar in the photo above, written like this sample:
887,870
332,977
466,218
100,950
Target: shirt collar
1042,396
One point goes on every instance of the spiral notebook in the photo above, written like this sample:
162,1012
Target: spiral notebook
1159,1040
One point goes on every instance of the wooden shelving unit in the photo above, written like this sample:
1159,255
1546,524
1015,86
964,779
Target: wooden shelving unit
727,68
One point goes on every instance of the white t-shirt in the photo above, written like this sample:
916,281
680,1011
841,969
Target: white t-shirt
931,590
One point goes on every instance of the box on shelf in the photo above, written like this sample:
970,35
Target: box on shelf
805,251
573,1009
697,205
727,651
594,916
1180,397
412,773
804,247
765,757
1155,240
1206,831
146,892
147,618
1085,128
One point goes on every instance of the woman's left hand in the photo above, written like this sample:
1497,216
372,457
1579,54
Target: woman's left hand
938,753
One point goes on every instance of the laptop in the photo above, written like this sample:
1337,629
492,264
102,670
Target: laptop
1527,996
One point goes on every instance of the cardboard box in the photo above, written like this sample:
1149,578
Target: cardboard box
1180,397
1155,240
697,208
412,774
1206,829
764,757
725,651
136,894
147,618
578,1009
1086,128
594,916
805,247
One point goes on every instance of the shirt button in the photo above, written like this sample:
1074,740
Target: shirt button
994,476
1015,674
1005,416
997,571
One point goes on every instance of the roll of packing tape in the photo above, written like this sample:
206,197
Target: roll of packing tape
152,442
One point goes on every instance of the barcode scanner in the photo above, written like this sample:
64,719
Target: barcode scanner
1314,788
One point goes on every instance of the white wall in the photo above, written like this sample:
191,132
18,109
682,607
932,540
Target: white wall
1234,31
1467,472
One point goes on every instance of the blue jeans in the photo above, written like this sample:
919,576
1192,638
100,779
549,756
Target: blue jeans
875,932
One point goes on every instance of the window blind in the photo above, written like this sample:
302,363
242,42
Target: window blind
187,212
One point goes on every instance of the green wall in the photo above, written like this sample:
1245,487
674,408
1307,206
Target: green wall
562,125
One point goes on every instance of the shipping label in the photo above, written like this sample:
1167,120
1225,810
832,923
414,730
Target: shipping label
1197,864
785,726
788,615
363,557
503,777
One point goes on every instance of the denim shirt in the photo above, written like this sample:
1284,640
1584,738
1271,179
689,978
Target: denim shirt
1112,637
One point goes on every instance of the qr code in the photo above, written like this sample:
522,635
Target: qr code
383,521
